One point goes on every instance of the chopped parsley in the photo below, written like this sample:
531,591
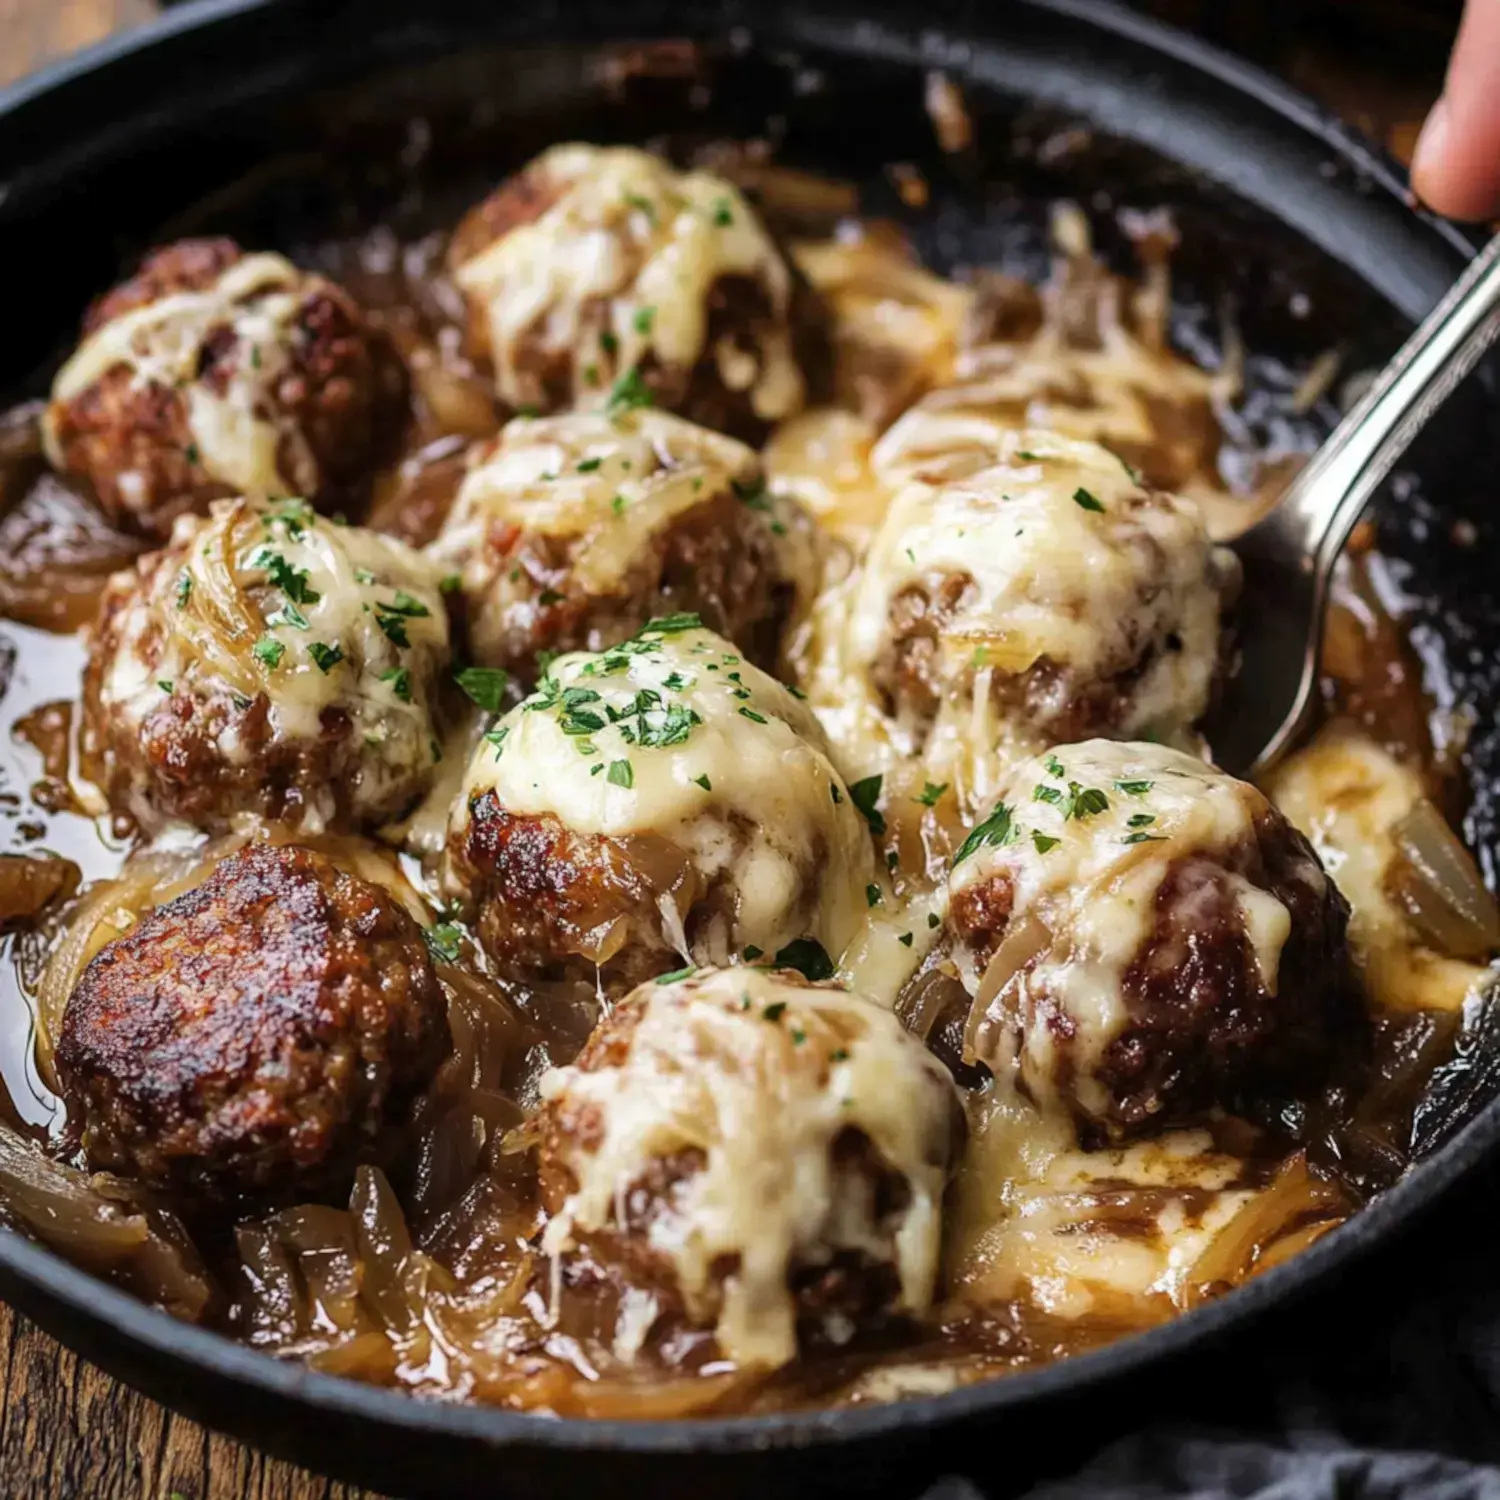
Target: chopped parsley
165,684
808,957
620,774
1144,838
1087,501
835,793
933,920
774,1011
1134,788
670,625
752,953
444,942
629,393
1140,820
450,583
393,627
485,685
905,940
644,316
642,205
325,656
750,713
872,895
191,453
723,213
618,504
704,782
997,830
931,794
405,604
400,681
363,575
685,972
864,795
588,465
752,493
184,589
1044,842
268,651
291,581
1054,767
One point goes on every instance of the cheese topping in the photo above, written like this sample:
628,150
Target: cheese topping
674,733
628,231
1083,837
244,439
1347,794
603,487
320,618
1065,561
762,1075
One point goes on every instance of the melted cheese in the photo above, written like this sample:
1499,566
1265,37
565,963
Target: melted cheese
243,438
774,818
1087,882
1068,560
1027,1222
651,243
1346,794
762,1074
213,598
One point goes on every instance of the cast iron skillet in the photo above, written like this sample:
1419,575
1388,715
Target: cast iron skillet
1275,199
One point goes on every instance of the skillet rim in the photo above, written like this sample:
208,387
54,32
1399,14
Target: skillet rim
183,1347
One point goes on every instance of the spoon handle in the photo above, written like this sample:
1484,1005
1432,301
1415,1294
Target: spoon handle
1328,497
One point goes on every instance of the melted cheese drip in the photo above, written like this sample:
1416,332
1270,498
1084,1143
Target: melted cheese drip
1346,794
628,230
1091,590
240,435
1092,884
775,816
195,628
1026,1223
603,486
762,1074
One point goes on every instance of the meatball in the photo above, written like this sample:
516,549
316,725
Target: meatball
1147,940
767,1156
658,802
601,276
253,1037
569,533
1043,597
267,661
212,373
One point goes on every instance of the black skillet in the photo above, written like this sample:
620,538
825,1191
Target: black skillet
1300,224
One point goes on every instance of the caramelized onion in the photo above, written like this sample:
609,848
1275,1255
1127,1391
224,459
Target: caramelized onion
103,1225
1023,940
1438,885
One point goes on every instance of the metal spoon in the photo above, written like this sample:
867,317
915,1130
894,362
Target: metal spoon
1289,555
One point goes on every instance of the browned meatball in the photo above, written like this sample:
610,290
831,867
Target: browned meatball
213,372
570,532
767,1156
660,800
1148,940
694,306
254,1036
267,661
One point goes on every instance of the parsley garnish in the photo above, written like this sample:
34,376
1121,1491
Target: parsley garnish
997,830
400,681
1044,842
931,795
325,656
774,1011
620,774
905,940
393,627
723,213
184,589
643,319
684,973
268,652
1134,788
750,713
1087,501
485,685
443,942
628,393
752,953
808,957
405,604
588,465
872,895
864,795
1144,838
450,583
291,581
704,782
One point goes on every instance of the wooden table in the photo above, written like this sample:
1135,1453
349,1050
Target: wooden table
68,1431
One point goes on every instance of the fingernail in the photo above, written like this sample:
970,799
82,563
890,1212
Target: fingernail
1431,144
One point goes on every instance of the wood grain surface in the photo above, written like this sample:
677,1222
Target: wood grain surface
68,1431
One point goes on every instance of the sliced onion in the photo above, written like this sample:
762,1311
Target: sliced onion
1023,941
1439,886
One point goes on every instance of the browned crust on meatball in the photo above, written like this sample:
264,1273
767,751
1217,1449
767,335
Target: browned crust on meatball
255,1036
738,310
717,560
1204,1033
548,901
343,388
